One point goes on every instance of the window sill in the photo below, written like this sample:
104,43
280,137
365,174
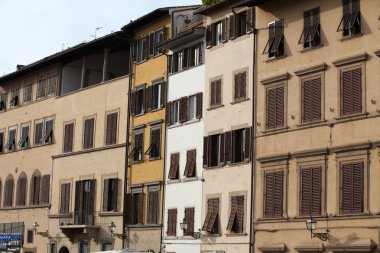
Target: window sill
236,234
141,62
24,207
144,226
192,121
137,162
312,124
238,101
214,167
214,47
139,115
269,60
352,117
154,159
190,179
234,164
350,37
187,237
60,215
212,235
276,130
173,181
170,237
177,124
110,213
308,49
214,107
157,109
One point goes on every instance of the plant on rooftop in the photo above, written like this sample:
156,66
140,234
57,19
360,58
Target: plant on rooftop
210,2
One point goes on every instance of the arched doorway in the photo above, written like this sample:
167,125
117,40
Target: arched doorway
63,250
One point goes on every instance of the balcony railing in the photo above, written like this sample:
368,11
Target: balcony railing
78,218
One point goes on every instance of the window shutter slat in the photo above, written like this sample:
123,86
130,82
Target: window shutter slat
358,187
205,151
240,214
199,110
356,91
183,109
273,206
232,27
233,213
346,188
168,114
316,99
247,144
148,98
105,195
280,106
271,108
228,147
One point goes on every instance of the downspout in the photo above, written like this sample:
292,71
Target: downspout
126,168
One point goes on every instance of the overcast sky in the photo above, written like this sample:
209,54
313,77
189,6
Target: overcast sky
33,29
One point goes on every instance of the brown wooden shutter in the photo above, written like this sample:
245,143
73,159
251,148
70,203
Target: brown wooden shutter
38,133
222,151
208,36
307,101
89,133
352,188
172,222
174,166
141,205
37,188
356,90
232,217
228,147
212,214
148,98
247,144
240,214
218,92
224,30
115,193
78,198
237,81
189,219
205,151
133,103
168,113
212,93
243,85
163,94
280,107
1,142
1,191
279,34
65,198
128,209
183,109
153,207
249,20
232,27
105,195
68,138
151,44
311,186
307,23
45,189
274,183
199,109
190,163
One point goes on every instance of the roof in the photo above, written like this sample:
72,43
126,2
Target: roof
229,4
114,39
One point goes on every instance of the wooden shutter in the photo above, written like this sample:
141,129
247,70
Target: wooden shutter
174,166
78,197
89,133
48,137
212,93
218,92
128,209
199,106
351,92
352,188
111,131
168,113
183,109
172,222
224,30
311,191
38,133
311,102
133,103
153,207
356,90
45,189
151,44
232,27
213,209
240,214
1,142
148,98
35,193
237,81
222,151
208,36
275,107
105,195
21,191
114,193
233,213
189,219
141,200
163,94
249,20
8,198
247,144
228,147
68,138
65,198
274,184
205,151
190,163
279,34
243,85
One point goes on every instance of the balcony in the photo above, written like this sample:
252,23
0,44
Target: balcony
79,222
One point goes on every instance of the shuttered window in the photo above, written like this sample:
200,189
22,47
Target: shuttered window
35,188
174,166
190,167
311,100
68,138
52,85
311,35
138,205
236,218
216,33
3,101
88,136
189,220
8,192
350,24
111,130
352,187
216,93
211,221
1,142
199,105
311,191
273,194
138,146
157,94
153,207
24,141
28,93
110,194
38,130
240,86
45,189
155,143
275,45
183,109
351,92
64,207
41,88
11,145
172,222
275,107
47,137
21,191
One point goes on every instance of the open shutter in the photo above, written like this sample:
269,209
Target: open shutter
218,92
151,44
228,147
148,98
249,20
205,151
199,109
163,94
37,188
208,36
279,34
133,103
224,30
247,144
240,214
141,205
168,113
105,195
234,207
183,109
232,27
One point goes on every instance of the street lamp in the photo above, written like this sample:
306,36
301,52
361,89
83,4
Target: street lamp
183,225
111,229
311,225
36,226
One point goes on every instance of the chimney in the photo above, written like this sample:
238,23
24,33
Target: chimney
19,66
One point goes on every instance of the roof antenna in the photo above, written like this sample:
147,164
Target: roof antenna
96,30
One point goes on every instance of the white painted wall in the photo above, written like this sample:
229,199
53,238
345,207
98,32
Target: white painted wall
180,139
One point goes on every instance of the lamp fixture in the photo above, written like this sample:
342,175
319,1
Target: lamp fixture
183,226
36,226
311,225
111,229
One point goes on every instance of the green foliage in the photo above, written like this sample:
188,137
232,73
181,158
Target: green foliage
210,2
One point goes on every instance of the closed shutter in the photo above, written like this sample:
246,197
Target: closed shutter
145,49
78,202
311,91
35,191
311,186
133,103
273,206
21,191
1,191
212,93
183,109
148,98
351,92
205,151
168,113
89,133
114,193
232,26
356,90
352,188
65,198
141,201
243,84
228,147
172,222
153,207
68,139
8,199
45,189
91,208
111,131
189,220
247,144
222,151
128,209
190,163
275,107
249,20
199,109
218,92
237,86
105,195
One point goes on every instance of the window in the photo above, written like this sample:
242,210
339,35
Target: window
352,187
159,37
29,236
189,220
311,191
64,207
140,100
38,130
41,88
311,34
241,140
273,194
275,45
172,222
211,223
236,218
28,93
110,194
1,142
216,33
155,143
192,107
53,247
35,189
311,100
111,129
142,49
157,96
11,145
153,204
190,167
174,166
3,101
213,150
14,98
174,117
351,91
21,190
186,58
138,146
84,208
240,86
275,107
241,24
8,192
216,93
45,190
24,140
106,246
68,138
88,136
135,203
52,85
350,24
84,247
185,109
47,137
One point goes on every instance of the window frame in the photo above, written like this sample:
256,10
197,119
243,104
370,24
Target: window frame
153,188
14,147
160,103
135,133
155,128
26,88
55,78
214,81
43,90
72,138
346,17
242,194
316,40
285,106
137,91
116,133
321,76
21,140
92,117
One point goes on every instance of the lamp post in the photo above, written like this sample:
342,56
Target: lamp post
36,226
183,225
311,225
111,229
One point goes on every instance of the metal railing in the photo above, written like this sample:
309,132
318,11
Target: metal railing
78,218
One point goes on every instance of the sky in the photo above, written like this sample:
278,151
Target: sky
32,30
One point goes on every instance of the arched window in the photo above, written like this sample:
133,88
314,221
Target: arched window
21,190
8,191
35,188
